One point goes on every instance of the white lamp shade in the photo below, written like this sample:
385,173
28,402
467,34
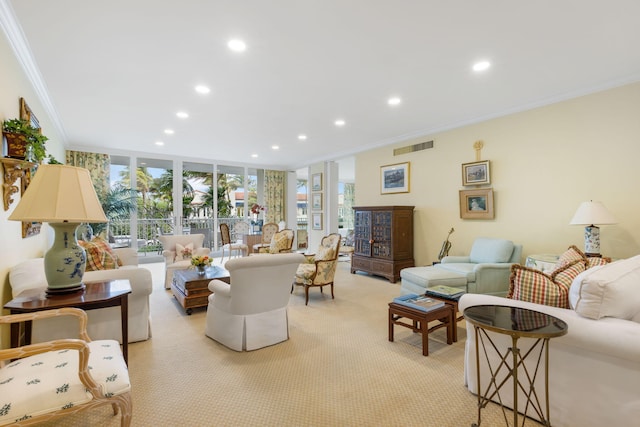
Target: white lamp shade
60,193
592,213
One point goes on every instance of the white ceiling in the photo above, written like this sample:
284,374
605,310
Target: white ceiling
117,71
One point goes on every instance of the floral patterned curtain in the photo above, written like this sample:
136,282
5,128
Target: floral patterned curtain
275,183
97,164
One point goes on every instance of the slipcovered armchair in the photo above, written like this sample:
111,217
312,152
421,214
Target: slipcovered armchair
252,312
268,230
488,265
319,268
42,382
104,323
177,253
281,243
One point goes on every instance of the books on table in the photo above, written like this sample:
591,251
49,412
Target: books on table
419,302
447,291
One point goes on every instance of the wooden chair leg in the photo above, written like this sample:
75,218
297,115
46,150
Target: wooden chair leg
306,295
332,297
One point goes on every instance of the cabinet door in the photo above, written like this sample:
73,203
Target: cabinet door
362,233
381,228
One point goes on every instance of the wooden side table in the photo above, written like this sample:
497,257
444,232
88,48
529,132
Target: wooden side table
96,295
420,321
518,323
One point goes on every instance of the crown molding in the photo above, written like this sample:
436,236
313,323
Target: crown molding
20,46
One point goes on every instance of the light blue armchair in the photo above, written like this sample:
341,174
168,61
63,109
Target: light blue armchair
487,267
485,271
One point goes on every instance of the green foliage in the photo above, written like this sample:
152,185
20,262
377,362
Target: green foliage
34,137
118,203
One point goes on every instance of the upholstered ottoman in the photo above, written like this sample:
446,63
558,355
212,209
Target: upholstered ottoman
415,280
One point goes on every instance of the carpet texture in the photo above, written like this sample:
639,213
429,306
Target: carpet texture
337,369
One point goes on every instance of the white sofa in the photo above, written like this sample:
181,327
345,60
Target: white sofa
104,323
594,370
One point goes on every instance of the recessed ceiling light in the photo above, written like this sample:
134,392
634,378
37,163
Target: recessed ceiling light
182,114
481,66
254,156
275,147
202,89
237,45
302,137
394,101
159,143
339,122
169,131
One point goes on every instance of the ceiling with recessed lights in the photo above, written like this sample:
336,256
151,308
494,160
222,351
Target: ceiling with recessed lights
319,79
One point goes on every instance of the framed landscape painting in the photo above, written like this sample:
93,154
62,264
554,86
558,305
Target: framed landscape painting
316,223
476,204
394,178
476,173
316,182
316,201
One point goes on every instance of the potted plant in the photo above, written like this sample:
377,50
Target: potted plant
24,141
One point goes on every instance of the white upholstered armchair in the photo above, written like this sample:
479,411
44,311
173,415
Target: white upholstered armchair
178,250
251,313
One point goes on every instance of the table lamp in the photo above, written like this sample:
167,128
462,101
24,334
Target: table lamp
590,213
64,197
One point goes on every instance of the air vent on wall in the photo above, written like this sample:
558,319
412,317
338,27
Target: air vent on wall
412,148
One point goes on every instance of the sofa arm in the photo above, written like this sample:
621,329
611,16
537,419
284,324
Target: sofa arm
169,256
128,256
139,278
219,287
452,259
492,279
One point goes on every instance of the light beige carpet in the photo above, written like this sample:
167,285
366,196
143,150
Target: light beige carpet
337,369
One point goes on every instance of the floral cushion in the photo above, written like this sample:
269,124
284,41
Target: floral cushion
279,242
528,284
49,381
184,252
100,256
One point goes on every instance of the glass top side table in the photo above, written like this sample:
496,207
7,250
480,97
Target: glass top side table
517,323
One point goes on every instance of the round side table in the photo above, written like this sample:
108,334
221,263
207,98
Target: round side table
517,323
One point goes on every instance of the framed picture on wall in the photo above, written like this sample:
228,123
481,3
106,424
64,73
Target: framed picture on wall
476,204
316,201
476,173
316,221
394,178
316,182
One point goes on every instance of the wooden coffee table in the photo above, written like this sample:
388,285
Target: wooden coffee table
192,289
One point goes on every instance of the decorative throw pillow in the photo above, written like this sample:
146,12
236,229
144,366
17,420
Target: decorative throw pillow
528,284
100,256
279,242
570,255
184,252
594,261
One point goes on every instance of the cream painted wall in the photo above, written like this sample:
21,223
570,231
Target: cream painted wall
13,249
544,162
